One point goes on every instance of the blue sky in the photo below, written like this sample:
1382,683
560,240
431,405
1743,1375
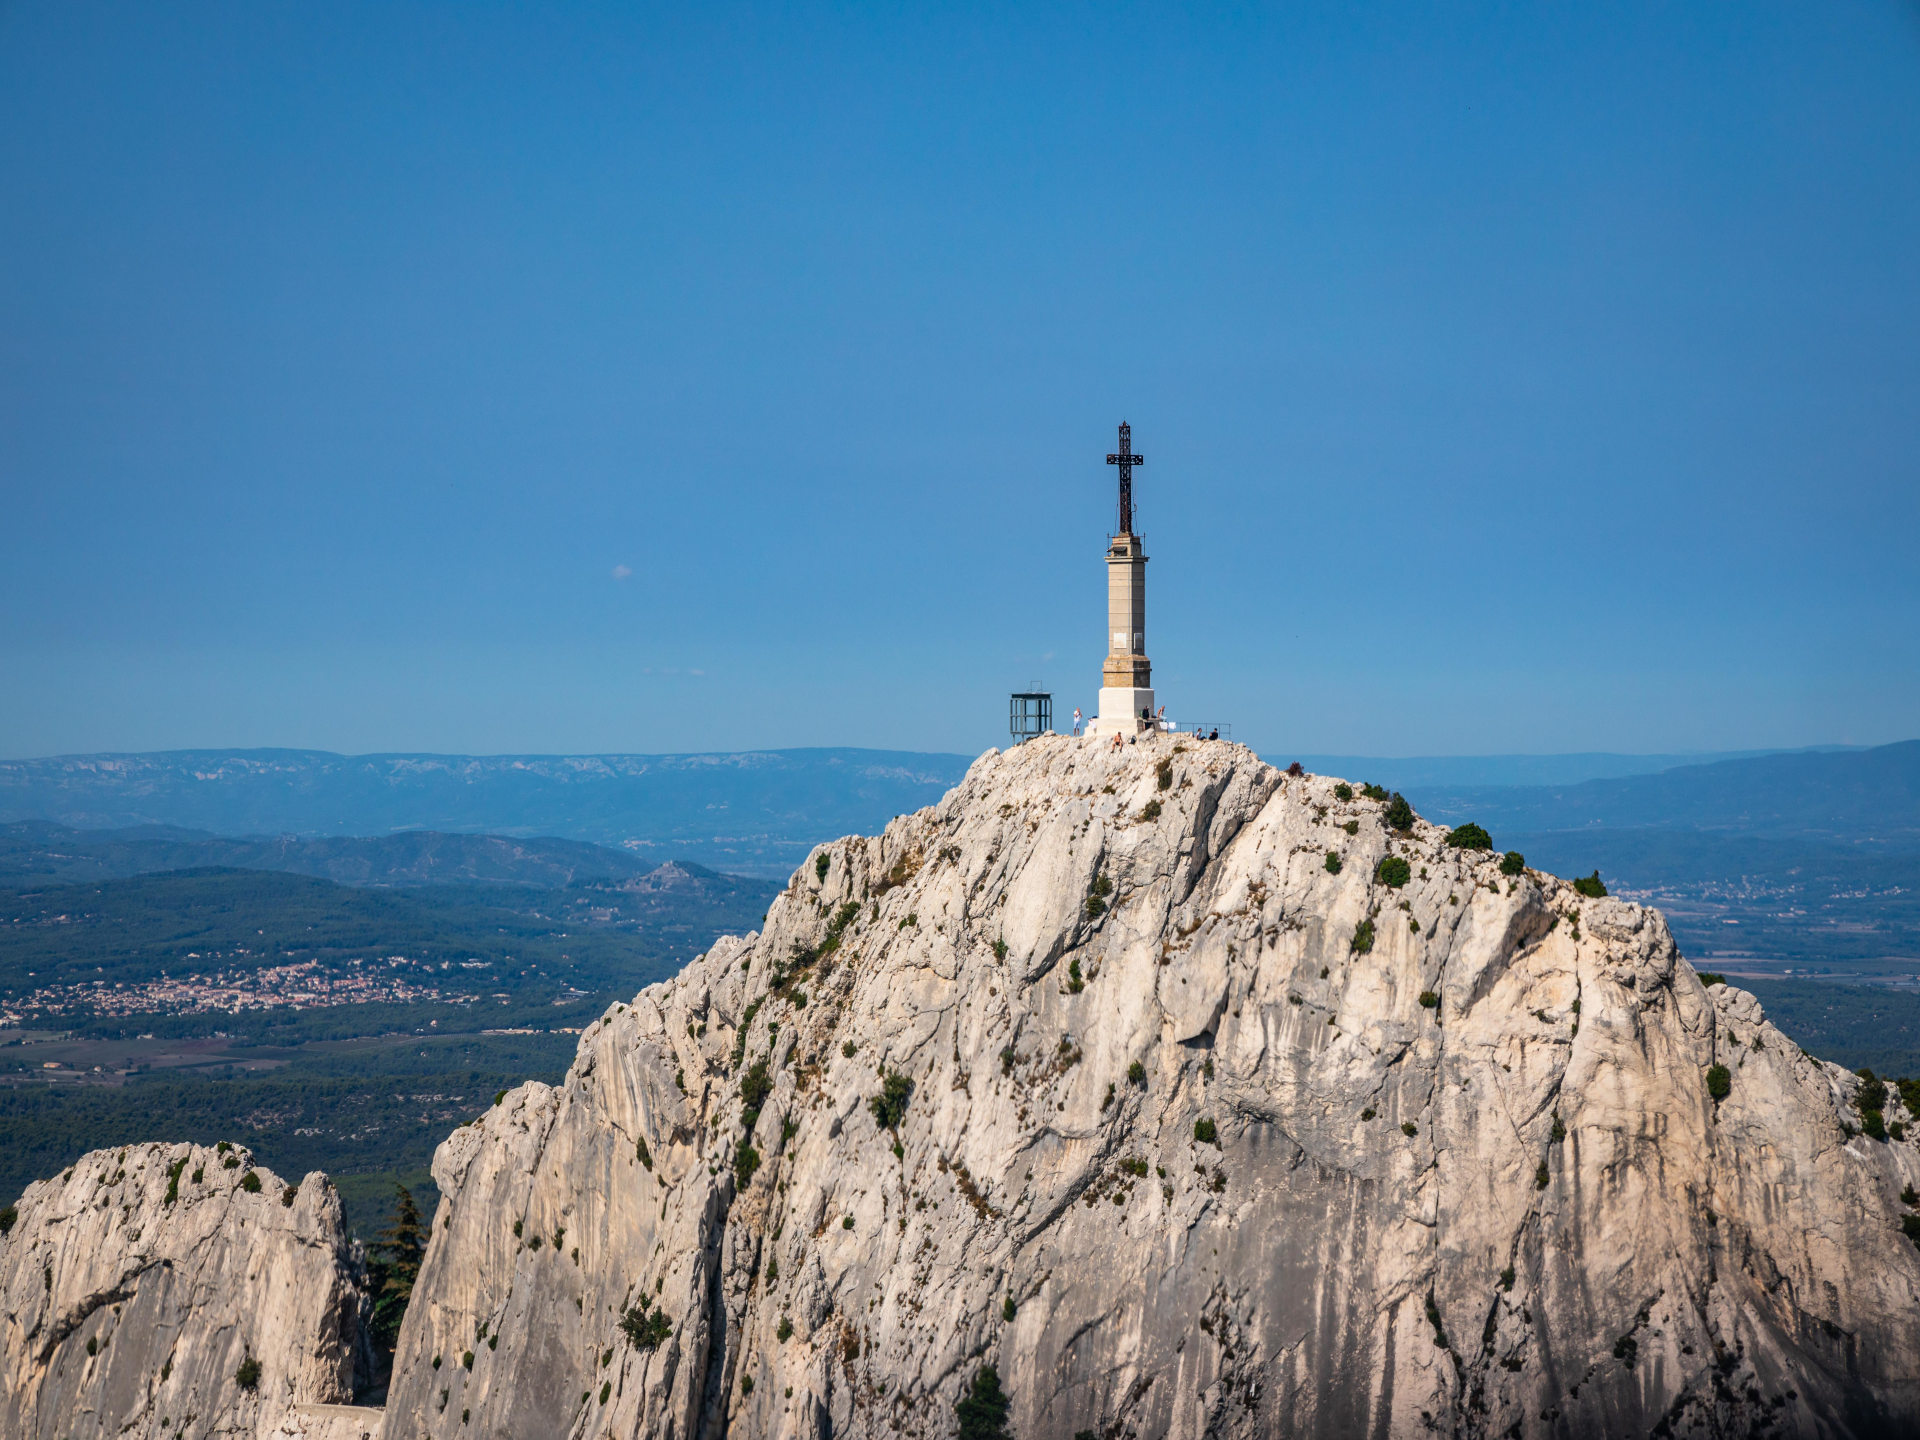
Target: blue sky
482,378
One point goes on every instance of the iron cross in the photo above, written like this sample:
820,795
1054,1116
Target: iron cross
1126,460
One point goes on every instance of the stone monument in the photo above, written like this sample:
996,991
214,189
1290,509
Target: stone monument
1126,678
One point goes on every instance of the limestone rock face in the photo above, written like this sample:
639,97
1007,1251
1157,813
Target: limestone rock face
1100,1072
135,1287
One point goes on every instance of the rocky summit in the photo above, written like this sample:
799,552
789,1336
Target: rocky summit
1185,1096
1194,1098
165,1291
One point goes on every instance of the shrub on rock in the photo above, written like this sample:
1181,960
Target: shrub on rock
983,1413
1393,872
890,1105
1591,886
1399,814
1469,837
1513,863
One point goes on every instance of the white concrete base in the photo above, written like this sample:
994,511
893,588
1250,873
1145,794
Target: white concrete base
1120,713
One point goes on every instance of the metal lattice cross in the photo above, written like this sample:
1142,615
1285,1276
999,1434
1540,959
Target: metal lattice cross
1126,460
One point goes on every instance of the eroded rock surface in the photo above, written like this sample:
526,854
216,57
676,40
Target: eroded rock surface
1204,1137
136,1286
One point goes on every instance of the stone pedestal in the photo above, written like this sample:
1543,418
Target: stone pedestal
1127,711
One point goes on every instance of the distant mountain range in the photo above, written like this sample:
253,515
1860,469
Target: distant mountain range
1450,772
1794,863
750,812
38,852
1847,797
1791,860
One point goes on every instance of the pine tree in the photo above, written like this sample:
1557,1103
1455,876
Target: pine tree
983,1414
398,1252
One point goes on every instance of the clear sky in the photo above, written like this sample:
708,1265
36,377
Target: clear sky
542,378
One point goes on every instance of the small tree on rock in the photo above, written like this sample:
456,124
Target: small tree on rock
983,1412
1399,814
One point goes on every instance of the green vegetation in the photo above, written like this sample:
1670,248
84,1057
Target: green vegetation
1163,775
784,1331
746,1160
1513,863
250,1182
354,1089
1469,837
642,1154
1429,1000
1150,810
247,1377
754,1089
1400,815
1136,1073
1719,1082
1393,872
1074,982
1870,1099
890,1105
1712,977
1206,1133
1333,862
1591,886
1409,1129
644,1331
1008,1309
822,863
1097,897
983,1412
373,1107
9,1217
474,940
173,1180
1363,937
837,926
1373,792
1343,791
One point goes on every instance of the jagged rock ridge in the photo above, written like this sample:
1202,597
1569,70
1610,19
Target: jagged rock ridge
174,1292
1189,1130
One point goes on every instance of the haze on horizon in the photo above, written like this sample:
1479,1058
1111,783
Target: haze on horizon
575,380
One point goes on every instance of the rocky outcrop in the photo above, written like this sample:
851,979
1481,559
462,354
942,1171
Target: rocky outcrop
1135,1075
174,1292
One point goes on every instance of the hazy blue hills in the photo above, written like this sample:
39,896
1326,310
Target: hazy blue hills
1803,862
38,852
749,812
1847,797
1452,772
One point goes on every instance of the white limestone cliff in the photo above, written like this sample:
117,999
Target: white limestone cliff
175,1292
1182,1156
